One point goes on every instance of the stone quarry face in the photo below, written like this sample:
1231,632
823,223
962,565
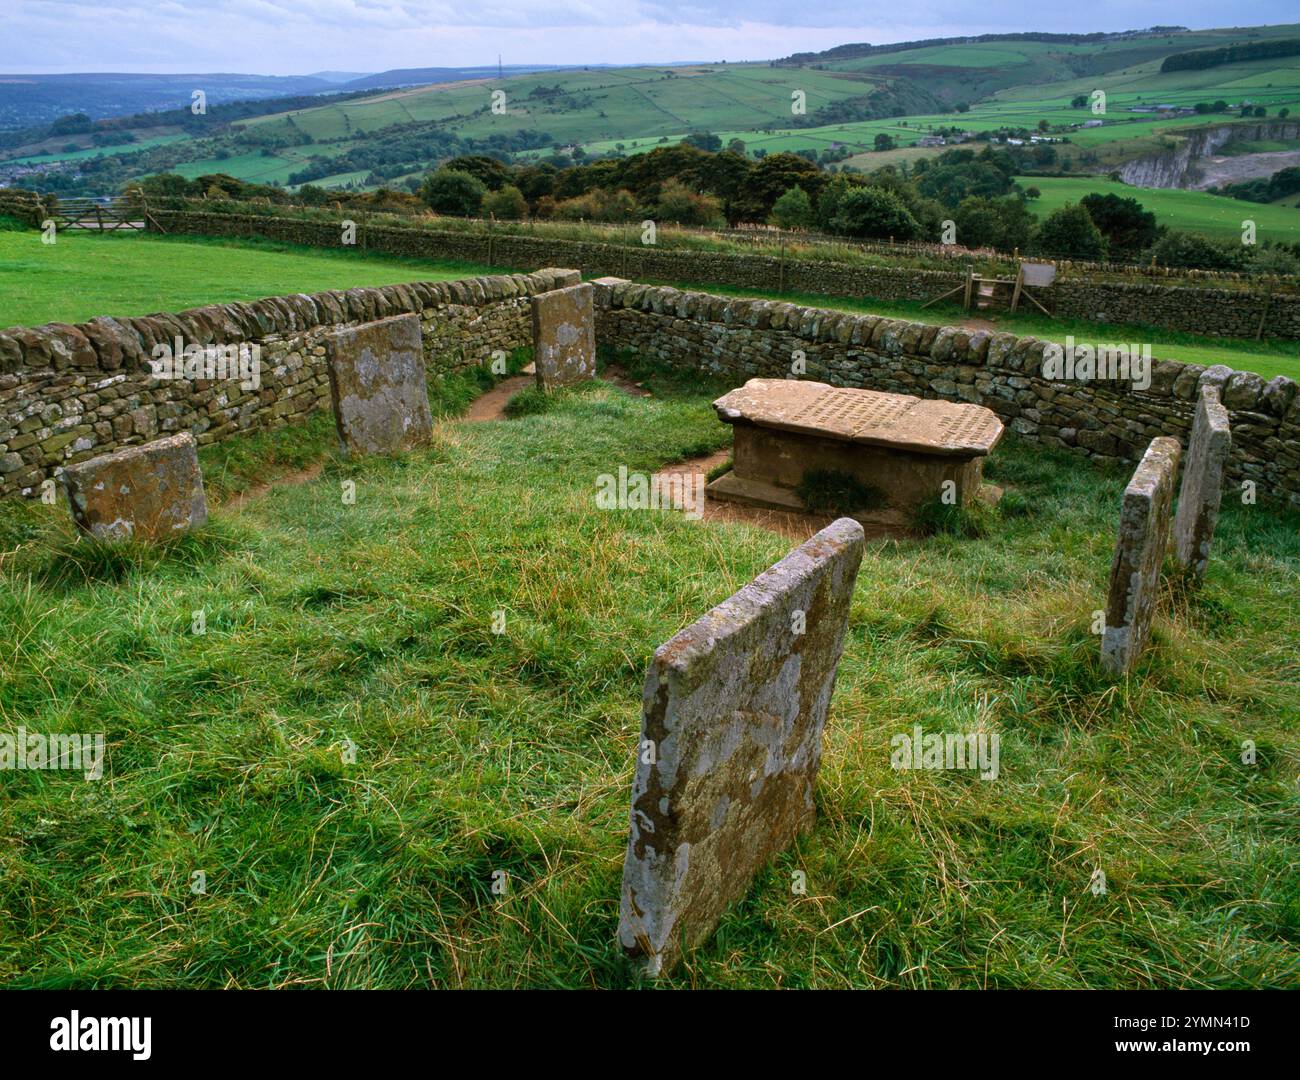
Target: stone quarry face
908,449
734,708
1202,489
564,336
1139,552
381,399
150,493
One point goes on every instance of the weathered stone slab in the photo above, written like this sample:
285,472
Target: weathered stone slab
731,732
864,416
908,450
381,399
562,276
150,493
564,336
1135,571
1202,489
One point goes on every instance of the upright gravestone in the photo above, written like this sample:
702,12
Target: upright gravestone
150,492
564,336
1135,571
731,738
381,399
1202,489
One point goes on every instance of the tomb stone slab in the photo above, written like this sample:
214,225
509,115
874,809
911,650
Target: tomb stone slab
150,493
1202,488
1139,552
864,416
906,449
381,399
734,708
564,336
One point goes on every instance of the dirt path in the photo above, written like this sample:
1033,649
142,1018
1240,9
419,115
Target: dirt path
303,476
492,405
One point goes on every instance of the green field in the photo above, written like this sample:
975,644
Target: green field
84,275
1196,211
369,626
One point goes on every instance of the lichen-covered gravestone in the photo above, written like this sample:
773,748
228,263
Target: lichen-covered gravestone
564,336
381,399
151,492
1202,489
1139,551
731,738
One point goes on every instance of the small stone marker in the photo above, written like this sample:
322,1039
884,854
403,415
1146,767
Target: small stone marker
731,739
1135,571
1198,498
562,276
151,492
564,336
381,399
910,450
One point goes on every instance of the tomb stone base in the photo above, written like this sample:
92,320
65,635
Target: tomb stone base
769,466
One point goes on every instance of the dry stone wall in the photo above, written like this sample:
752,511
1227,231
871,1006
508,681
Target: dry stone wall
69,393
1191,309
1107,421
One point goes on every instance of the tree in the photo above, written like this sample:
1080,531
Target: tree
680,204
703,140
884,141
448,191
488,170
962,107
793,210
508,204
1032,192
1128,227
998,223
1071,233
1079,101
872,212
774,175
1193,250
737,146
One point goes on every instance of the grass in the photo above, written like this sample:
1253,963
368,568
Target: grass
1195,211
84,275
350,752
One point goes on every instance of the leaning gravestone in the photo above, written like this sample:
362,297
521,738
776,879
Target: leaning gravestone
1135,571
381,400
564,336
1198,498
150,492
731,738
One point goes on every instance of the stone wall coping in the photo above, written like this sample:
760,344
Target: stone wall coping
109,344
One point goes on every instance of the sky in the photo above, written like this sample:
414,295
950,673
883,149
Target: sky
296,37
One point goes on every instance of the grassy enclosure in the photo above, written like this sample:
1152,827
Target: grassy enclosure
371,625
